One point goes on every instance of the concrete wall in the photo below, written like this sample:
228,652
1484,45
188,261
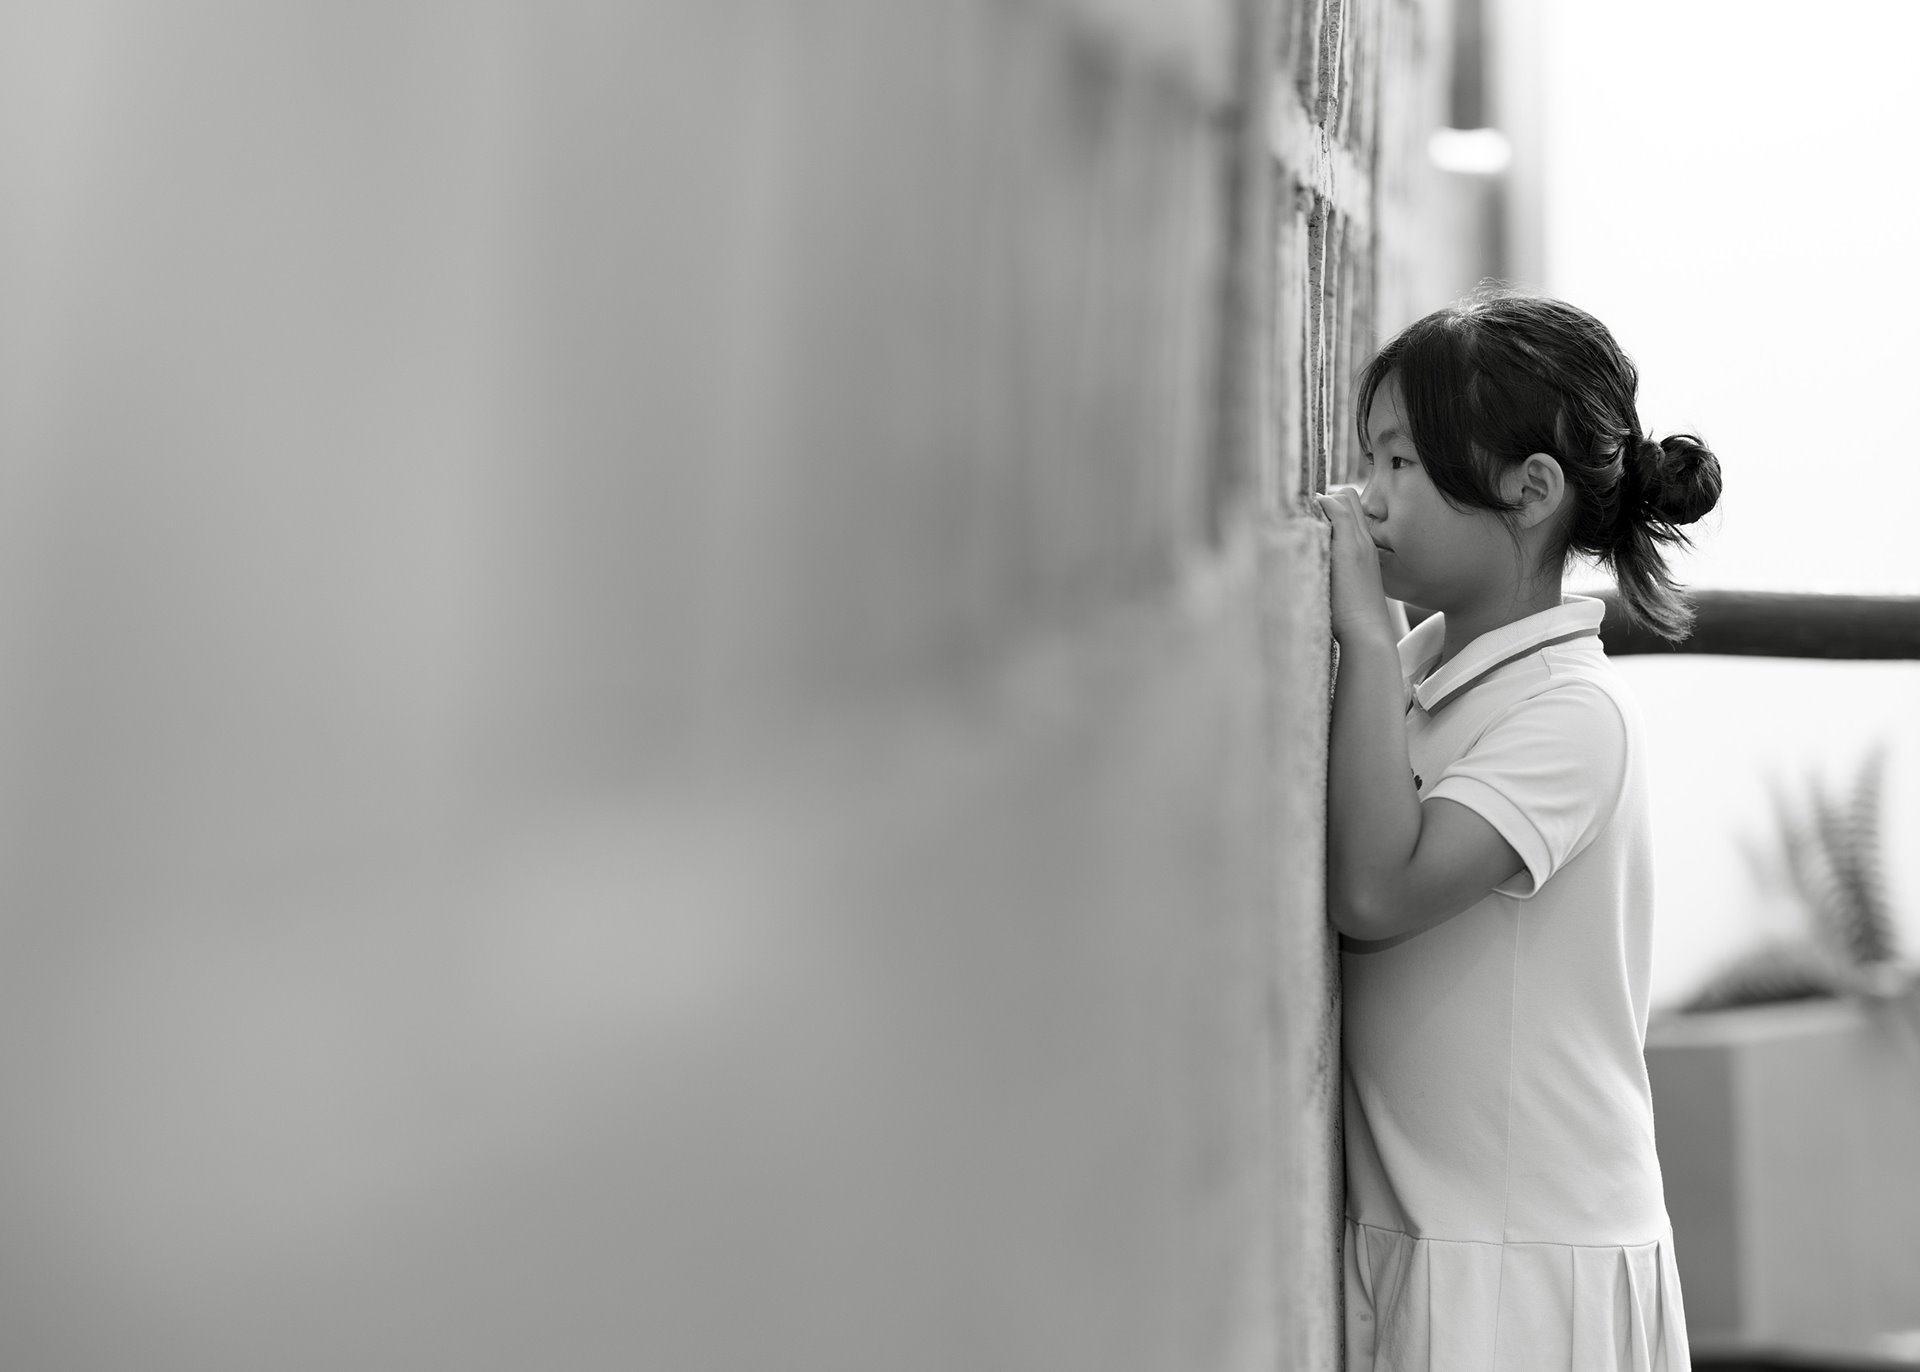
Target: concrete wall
665,682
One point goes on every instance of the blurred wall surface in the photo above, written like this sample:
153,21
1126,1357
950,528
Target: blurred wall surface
663,677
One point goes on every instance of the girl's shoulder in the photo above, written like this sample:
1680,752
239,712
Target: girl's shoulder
1577,711
1586,674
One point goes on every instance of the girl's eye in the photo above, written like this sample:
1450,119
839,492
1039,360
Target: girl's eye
1398,462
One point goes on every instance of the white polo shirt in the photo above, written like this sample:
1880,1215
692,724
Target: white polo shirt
1495,1087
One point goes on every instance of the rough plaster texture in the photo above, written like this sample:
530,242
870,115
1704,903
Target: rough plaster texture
668,680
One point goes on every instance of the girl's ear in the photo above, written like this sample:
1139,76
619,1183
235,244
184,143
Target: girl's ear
1539,487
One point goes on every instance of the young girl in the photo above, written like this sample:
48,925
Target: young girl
1488,850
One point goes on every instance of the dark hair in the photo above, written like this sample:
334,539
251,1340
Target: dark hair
1500,376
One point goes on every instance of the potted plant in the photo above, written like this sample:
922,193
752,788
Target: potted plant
1787,1103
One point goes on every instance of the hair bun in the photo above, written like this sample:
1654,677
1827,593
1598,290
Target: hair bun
1678,478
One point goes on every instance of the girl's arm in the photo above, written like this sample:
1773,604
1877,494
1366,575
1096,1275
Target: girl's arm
1395,865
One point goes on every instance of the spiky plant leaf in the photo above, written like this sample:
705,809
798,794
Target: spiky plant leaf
1810,866
1783,970
1829,853
1875,939
1832,852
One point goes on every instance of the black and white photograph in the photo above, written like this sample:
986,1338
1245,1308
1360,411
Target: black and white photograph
959,686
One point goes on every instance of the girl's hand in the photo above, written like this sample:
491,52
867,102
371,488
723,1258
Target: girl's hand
1359,601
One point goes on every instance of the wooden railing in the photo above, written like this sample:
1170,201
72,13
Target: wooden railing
1781,624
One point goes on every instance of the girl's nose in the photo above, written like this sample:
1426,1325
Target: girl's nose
1373,501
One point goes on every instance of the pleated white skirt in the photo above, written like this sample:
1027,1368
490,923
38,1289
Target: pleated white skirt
1435,1305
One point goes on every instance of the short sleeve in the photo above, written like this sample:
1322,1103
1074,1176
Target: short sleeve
1547,773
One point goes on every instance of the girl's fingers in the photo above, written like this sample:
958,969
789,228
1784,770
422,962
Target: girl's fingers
1358,601
1343,503
1331,501
1336,512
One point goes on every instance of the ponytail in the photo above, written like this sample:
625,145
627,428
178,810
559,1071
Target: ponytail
1664,486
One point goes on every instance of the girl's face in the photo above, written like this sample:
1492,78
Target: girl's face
1431,554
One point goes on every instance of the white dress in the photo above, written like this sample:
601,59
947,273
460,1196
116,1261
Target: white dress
1504,1204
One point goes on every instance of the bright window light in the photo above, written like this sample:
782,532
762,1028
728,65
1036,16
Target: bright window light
1477,152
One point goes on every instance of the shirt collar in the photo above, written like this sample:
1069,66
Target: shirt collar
1430,687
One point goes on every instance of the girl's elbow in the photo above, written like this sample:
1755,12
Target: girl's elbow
1363,914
